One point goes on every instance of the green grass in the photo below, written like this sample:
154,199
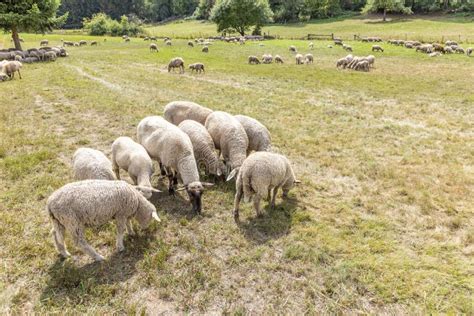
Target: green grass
382,223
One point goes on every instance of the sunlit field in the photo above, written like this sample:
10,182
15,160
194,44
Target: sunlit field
383,221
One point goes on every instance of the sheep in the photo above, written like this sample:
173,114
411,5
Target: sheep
278,59
347,47
460,50
292,49
254,60
146,38
338,41
362,65
308,58
133,158
427,48
7,56
168,42
198,67
448,50
173,149
344,62
153,47
203,146
44,42
258,135
153,38
82,43
377,48
190,44
469,51
311,45
205,49
76,44
229,138
176,62
50,56
329,46
267,59
262,174
127,40
30,60
94,203
10,67
449,43
438,47
18,58
88,163
177,111
67,43
299,59
435,54
124,37
94,43
409,45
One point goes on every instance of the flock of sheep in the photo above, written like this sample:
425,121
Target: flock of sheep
433,49
188,137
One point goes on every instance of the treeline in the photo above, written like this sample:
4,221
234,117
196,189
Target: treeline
283,10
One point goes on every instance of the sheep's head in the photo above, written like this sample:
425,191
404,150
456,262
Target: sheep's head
195,191
145,212
289,184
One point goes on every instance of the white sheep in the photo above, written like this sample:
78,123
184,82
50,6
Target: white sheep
311,45
198,67
10,67
258,135
267,59
176,62
78,205
299,59
88,163
308,58
253,60
469,51
153,47
133,158
292,49
173,149
205,49
177,111
230,138
278,59
203,146
260,174
377,48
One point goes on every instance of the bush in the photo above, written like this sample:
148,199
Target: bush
102,24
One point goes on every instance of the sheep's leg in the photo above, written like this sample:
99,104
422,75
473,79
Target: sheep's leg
130,230
121,227
256,204
58,238
238,197
275,191
170,184
81,243
19,74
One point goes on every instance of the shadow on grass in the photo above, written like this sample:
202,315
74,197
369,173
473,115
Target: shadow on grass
273,224
95,281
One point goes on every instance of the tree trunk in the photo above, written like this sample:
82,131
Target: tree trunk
384,14
16,38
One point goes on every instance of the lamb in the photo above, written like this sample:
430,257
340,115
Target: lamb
308,58
260,174
347,47
267,59
203,146
377,48
258,135
469,51
278,59
173,149
94,203
230,138
205,49
338,41
44,42
10,67
133,158
176,62
88,163
292,49
254,60
153,47
198,67
190,44
177,111
299,59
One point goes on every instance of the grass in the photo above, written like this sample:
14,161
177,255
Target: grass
382,223
419,27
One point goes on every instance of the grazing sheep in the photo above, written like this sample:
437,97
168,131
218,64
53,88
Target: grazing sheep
153,47
94,43
50,56
82,42
311,45
426,48
127,40
278,59
124,36
449,43
7,56
30,60
258,135
448,50
67,43
308,58
292,49
338,41
176,62
362,66
299,59
153,38
460,50
203,146
146,38
229,138
409,45
438,47
377,48
173,149
10,67
434,54
78,205
177,111
88,163
262,174
168,42
205,49
469,51
344,62
18,58
267,59
198,67
347,48
44,43
76,44
329,46
190,44
133,158
254,60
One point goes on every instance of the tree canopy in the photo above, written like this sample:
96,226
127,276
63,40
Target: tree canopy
240,15
387,6
29,16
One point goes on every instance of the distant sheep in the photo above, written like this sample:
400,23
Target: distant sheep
254,60
469,51
299,59
308,59
311,45
94,43
190,44
267,59
292,49
448,50
176,62
347,48
205,49
377,48
460,50
278,59
177,111
44,42
153,47
198,67
168,42
82,43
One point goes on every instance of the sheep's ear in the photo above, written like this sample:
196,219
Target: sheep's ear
297,181
155,217
207,184
232,174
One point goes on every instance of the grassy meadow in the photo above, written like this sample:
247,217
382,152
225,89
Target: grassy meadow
383,221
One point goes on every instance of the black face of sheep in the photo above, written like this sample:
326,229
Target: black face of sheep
195,191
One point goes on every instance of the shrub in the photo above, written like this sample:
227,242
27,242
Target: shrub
102,24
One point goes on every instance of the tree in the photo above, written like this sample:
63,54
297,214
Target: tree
29,15
386,6
240,15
